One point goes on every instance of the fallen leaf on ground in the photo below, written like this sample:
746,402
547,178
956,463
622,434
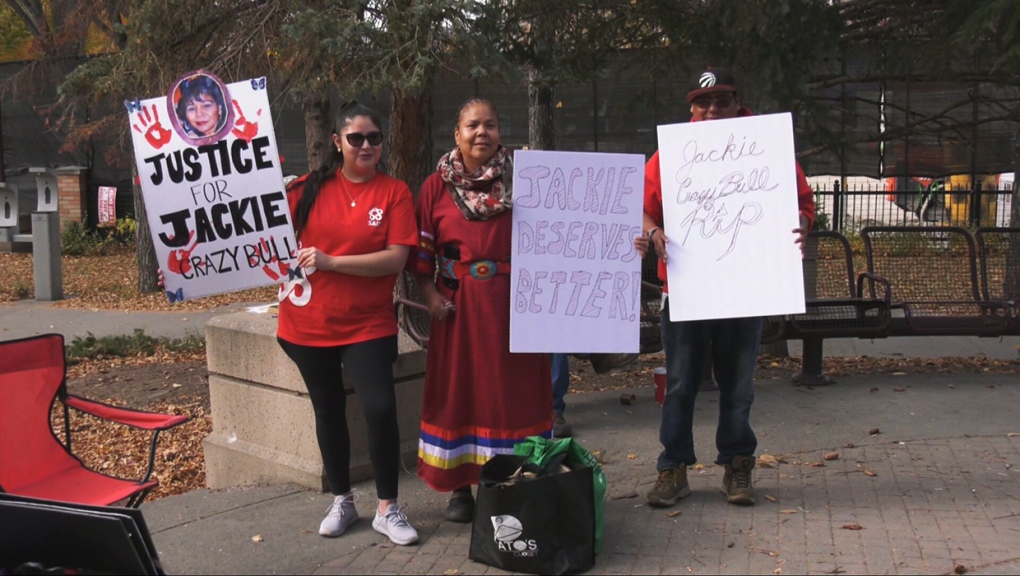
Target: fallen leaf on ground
625,496
850,445
1012,434
899,373
674,514
853,527
870,473
257,538
874,431
770,498
873,389
767,461
899,389
788,511
816,464
451,572
959,568
771,553
631,456
831,456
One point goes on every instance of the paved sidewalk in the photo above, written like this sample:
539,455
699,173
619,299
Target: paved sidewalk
934,488
25,318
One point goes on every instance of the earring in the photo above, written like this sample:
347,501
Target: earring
340,150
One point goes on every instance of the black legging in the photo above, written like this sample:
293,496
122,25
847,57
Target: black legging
370,367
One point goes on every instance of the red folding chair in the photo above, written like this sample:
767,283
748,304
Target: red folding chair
33,461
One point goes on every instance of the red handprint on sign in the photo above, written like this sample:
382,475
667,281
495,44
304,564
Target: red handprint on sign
177,261
155,134
244,129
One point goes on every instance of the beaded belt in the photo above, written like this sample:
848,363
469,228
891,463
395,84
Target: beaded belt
479,269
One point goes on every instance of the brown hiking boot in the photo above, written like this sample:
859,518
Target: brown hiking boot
602,363
669,487
561,428
736,483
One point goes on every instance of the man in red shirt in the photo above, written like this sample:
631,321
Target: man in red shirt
731,344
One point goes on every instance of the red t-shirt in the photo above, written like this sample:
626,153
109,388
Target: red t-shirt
653,197
332,309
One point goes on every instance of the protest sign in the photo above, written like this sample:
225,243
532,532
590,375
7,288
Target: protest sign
575,276
729,196
107,206
213,186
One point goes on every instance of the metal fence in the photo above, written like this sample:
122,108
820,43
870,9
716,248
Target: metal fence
854,207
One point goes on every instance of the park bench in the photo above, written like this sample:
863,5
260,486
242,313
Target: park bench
933,272
999,254
839,302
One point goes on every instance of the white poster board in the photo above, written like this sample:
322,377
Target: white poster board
215,199
729,195
8,205
107,206
575,276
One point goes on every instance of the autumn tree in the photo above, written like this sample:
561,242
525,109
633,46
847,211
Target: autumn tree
389,47
154,44
560,42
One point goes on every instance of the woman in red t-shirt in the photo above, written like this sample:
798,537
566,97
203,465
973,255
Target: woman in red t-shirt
354,227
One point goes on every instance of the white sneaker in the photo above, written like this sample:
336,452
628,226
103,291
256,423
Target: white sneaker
394,525
340,514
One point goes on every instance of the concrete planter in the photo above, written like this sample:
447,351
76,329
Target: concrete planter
263,424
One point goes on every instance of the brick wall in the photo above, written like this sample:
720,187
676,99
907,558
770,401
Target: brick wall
72,182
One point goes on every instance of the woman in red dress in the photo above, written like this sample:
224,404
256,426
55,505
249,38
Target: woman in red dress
479,399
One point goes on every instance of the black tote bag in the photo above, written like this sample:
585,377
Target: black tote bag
544,525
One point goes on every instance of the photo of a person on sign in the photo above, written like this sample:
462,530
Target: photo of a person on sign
198,107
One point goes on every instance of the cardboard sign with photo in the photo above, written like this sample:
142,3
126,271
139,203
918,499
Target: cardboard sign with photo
213,187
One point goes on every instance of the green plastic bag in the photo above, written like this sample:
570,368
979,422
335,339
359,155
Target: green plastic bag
541,452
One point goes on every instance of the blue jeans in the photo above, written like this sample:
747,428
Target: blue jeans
560,381
735,343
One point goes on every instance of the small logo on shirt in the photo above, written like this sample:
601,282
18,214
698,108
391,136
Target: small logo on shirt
375,216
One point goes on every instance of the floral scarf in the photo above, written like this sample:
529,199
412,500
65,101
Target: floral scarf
484,193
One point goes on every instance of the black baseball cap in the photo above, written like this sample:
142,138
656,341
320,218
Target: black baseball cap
711,80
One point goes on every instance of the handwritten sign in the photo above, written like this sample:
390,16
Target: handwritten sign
729,195
575,276
212,186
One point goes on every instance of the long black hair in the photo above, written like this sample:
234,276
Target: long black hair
334,161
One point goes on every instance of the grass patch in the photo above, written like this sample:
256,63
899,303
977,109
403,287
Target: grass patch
137,344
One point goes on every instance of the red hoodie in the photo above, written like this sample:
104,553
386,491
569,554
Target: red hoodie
653,196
